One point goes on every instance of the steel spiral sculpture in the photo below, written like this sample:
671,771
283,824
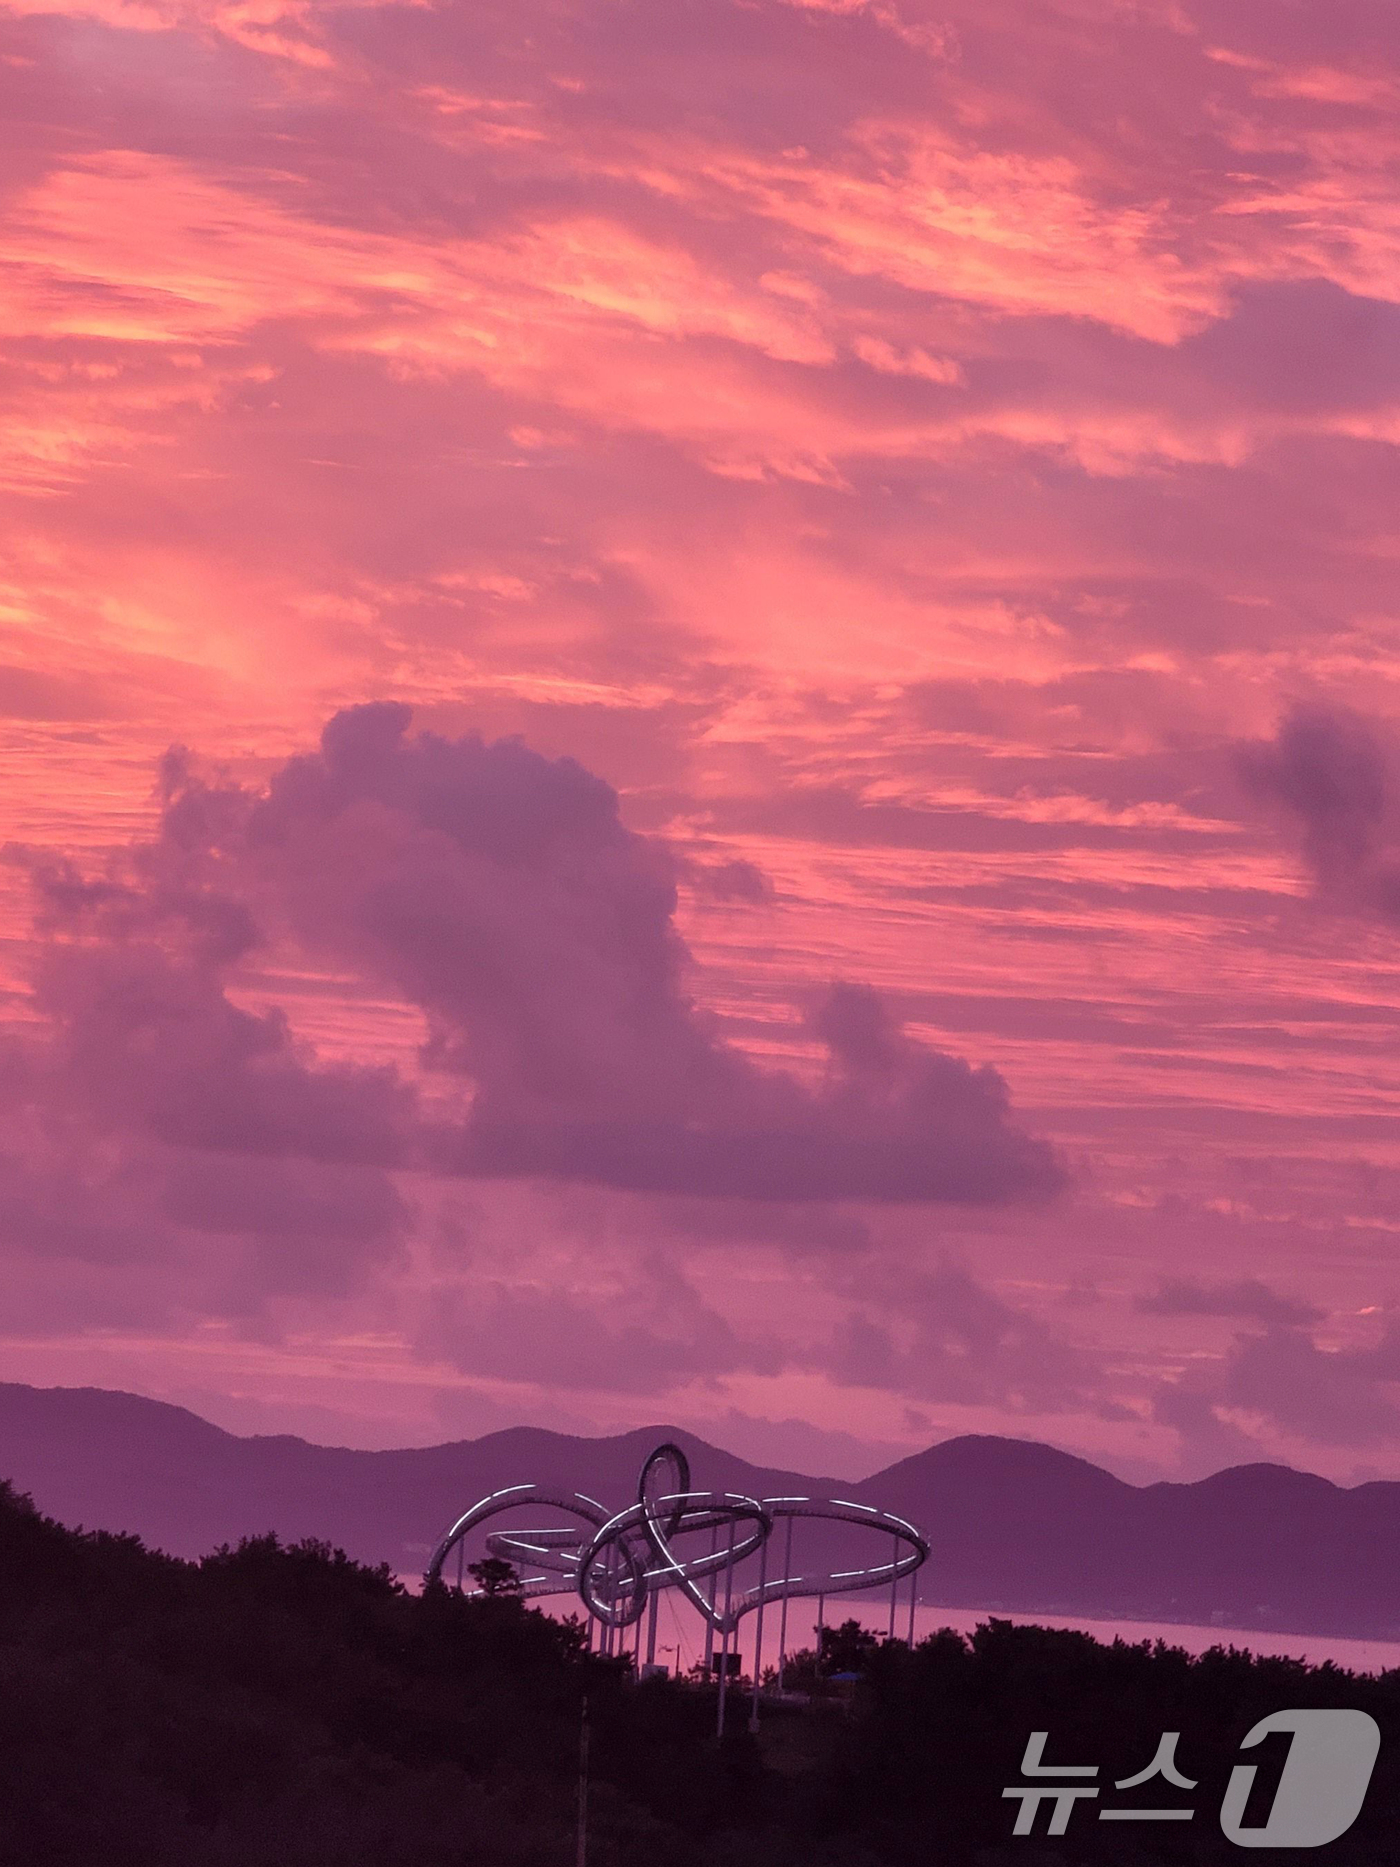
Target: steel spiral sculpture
620,1563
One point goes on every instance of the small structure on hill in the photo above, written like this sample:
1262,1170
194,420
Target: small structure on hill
619,1563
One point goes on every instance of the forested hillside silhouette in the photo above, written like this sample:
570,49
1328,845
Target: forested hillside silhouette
274,1706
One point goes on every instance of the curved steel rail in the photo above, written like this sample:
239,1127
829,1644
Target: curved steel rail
638,1536
544,1542
617,1560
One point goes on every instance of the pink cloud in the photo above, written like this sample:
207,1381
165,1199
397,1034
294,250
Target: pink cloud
902,452
501,894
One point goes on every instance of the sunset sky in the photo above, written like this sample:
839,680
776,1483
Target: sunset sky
700,720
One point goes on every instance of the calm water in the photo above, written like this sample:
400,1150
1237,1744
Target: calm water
680,1631
679,1627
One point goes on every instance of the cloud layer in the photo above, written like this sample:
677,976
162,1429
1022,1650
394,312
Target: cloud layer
899,456
499,894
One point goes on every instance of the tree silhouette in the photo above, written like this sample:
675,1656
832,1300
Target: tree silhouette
495,1576
285,1706
847,1648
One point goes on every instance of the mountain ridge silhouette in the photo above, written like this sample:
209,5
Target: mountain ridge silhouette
1014,1525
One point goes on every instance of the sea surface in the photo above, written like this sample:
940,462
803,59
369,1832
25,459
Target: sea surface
679,1626
681,1633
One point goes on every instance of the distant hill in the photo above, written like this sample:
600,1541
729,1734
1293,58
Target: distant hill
116,1461
1013,1525
1021,1526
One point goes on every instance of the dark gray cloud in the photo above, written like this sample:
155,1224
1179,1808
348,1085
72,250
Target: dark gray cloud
500,892
1244,1297
160,1115
942,1336
651,1332
1331,776
1286,1382
157,1128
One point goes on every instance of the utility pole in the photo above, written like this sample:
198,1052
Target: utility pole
758,1633
724,1648
714,1585
782,1625
652,1606
581,1853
